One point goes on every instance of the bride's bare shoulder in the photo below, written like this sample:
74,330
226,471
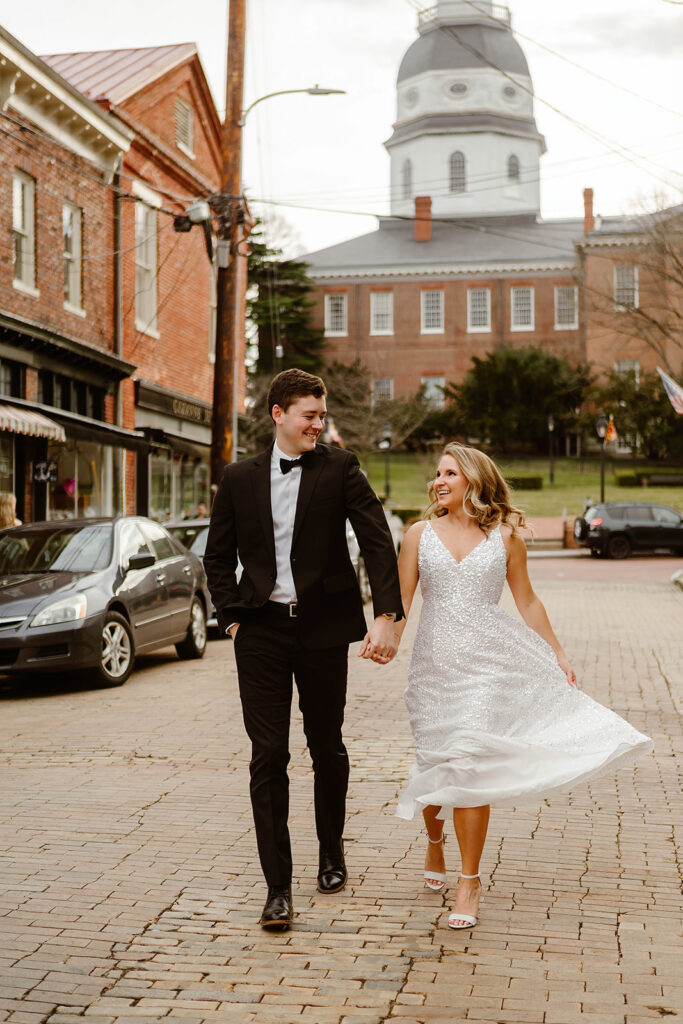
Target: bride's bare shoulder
414,532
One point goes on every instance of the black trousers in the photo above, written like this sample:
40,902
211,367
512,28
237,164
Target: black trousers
269,655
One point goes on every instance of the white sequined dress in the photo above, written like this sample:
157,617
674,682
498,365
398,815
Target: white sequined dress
493,717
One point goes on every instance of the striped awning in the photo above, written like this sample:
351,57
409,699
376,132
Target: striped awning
29,423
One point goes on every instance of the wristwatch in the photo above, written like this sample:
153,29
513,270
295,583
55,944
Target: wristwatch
389,615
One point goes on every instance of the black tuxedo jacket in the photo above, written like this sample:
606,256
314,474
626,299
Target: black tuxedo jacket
332,490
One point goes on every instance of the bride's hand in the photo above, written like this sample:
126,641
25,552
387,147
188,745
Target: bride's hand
563,662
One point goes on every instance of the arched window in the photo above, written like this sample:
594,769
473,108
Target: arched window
513,168
457,176
407,173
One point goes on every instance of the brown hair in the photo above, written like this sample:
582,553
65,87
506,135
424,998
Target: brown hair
292,384
8,504
487,496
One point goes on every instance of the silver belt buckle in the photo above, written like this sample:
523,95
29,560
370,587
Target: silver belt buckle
293,610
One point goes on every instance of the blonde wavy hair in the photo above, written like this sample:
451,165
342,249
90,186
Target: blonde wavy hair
8,504
487,497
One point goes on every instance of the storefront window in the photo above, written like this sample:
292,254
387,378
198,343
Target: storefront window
6,462
160,496
85,484
179,484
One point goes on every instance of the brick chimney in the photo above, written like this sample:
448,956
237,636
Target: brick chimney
588,218
423,219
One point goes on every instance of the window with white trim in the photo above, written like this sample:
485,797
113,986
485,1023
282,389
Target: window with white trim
625,286
407,179
383,389
457,173
145,267
184,126
522,312
624,367
478,310
381,312
432,311
566,307
24,229
72,237
336,316
433,391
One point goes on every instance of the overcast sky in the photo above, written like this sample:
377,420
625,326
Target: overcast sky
327,152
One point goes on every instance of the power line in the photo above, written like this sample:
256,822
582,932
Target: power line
588,71
611,144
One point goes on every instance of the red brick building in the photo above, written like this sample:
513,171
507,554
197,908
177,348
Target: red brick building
107,314
464,263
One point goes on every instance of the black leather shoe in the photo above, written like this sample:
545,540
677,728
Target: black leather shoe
332,874
278,912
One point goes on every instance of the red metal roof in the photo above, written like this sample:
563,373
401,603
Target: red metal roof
114,75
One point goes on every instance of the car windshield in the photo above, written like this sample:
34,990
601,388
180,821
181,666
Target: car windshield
62,548
193,537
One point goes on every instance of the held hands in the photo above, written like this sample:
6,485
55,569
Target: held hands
380,644
563,662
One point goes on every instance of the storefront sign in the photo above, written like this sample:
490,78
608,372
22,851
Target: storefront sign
181,408
45,472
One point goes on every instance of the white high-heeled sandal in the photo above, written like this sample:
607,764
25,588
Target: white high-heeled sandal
470,920
436,876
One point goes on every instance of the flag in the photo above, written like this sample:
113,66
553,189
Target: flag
673,390
611,432
334,434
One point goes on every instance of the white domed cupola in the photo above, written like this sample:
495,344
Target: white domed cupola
465,132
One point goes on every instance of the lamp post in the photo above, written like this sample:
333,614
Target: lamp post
229,321
385,446
601,430
551,446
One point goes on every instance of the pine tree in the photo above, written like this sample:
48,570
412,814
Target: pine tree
279,308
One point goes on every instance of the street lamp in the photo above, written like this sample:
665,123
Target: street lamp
314,90
601,430
385,446
551,435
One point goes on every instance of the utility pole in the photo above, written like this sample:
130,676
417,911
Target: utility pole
231,216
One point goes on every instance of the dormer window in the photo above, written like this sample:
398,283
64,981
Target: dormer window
457,174
184,127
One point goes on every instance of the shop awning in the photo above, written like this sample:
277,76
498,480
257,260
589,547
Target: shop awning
29,423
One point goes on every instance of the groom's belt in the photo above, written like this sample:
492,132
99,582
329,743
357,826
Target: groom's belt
286,611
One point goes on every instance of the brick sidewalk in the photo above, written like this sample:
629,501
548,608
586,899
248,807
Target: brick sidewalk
130,886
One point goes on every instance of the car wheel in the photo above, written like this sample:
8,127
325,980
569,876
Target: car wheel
194,644
117,657
580,528
618,546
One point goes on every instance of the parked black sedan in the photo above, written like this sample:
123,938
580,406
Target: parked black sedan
92,593
617,528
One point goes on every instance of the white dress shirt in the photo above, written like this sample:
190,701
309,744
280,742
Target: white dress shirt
284,492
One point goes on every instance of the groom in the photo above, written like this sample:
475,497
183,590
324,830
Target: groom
293,613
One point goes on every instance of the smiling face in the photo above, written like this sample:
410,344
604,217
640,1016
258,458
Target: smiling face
449,484
299,426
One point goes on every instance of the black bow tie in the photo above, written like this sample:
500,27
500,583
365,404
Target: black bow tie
287,465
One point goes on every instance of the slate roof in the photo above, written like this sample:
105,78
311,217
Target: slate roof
482,240
114,75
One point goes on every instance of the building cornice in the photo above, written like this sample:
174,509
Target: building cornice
444,270
33,89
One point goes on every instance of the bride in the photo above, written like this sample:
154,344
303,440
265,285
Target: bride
493,704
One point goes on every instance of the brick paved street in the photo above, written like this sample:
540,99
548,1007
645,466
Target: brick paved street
130,887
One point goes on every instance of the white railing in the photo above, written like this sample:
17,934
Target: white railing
464,9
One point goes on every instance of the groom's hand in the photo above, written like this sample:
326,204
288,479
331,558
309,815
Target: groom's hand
380,643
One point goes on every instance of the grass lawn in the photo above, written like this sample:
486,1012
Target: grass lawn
574,481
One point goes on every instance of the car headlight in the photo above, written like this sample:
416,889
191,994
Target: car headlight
67,610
